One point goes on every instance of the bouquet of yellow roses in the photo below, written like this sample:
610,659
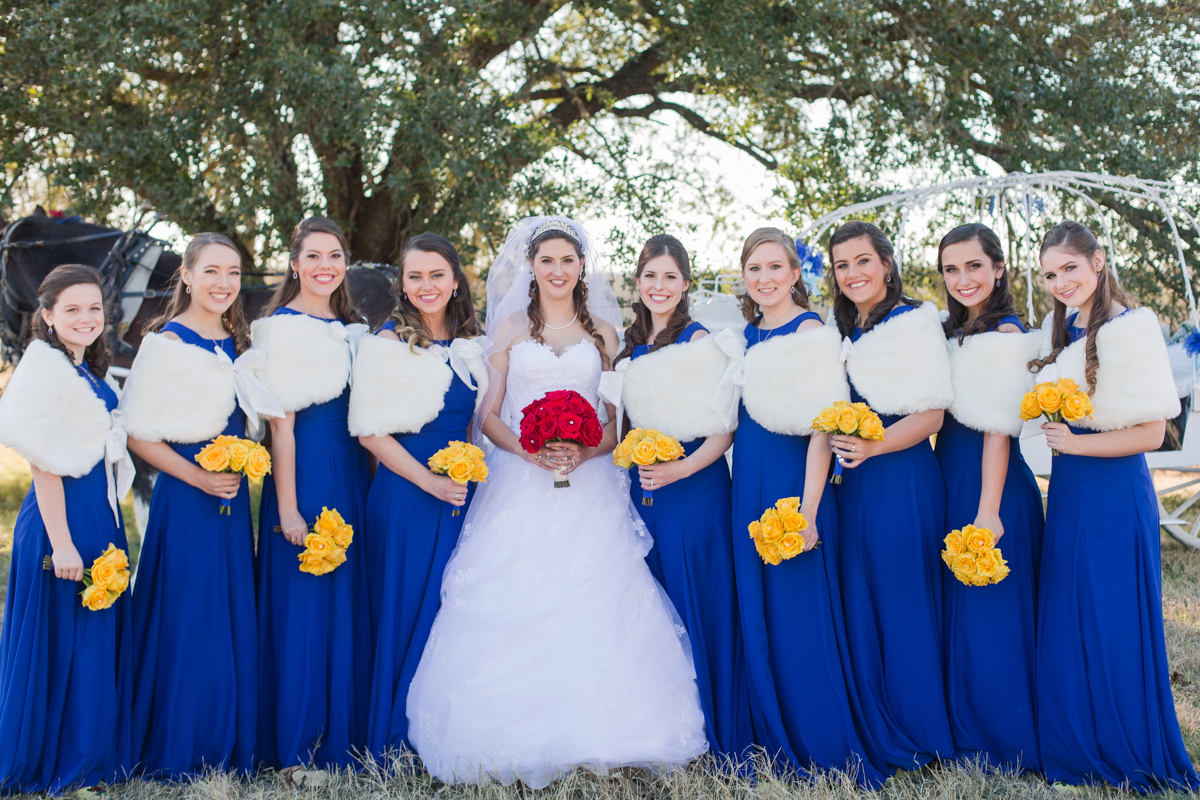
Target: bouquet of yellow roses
462,462
106,580
848,419
1060,401
231,454
646,446
326,543
778,533
972,555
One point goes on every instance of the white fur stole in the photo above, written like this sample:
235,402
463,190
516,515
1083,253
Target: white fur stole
308,360
50,414
398,389
990,375
1134,383
674,389
790,379
901,366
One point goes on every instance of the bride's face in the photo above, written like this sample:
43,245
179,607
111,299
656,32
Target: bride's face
556,266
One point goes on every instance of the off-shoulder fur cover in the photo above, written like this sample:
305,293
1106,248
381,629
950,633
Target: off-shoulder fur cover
901,365
990,374
789,379
671,389
307,361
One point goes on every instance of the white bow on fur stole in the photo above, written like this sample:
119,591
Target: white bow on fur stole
990,374
901,365
790,379
183,393
1134,383
400,389
308,360
687,390
51,416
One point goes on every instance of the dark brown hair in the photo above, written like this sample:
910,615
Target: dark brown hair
1076,238
999,303
844,310
233,320
578,296
461,321
761,236
53,285
639,332
339,301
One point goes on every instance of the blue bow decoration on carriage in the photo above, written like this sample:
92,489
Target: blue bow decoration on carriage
812,267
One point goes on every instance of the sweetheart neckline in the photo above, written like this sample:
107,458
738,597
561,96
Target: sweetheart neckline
561,355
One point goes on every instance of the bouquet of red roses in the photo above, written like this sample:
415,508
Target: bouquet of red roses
560,417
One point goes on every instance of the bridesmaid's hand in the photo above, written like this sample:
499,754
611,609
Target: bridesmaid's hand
67,563
656,476
566,456
811,535
852,451
218,484
992,523
293,526
446,490
1060,438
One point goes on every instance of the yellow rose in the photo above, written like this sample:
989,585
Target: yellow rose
455,451
755,530
225,441
772,528
948,559
871,428
318,545
214,458
1076,406
668,449
343,536
954,543
847,420
1001,571
95,598
329,521
258,462
438,462
239,454
861,409
103,572
645,453
116,557
336,558
794,521
979,539
826,421
1066,386
460,471
769,553
787,504
479,471
1029,406
986,564
965,564
314,564
1048,397
965,580
120,582
791,545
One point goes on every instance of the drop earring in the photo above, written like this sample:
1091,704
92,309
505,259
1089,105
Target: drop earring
888,279
50,330
296,275
454,293
188,290
997,283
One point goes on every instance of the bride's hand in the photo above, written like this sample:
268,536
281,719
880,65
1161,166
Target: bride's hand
542,458
446,490
566,456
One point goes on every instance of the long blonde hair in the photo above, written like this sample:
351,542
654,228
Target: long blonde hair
233,320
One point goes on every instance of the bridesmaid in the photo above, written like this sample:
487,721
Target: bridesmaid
892,501
1105,711
801,700
314,631
64,669
416,387
671,377
195,676
989,630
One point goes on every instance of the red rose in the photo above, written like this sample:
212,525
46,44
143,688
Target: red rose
531,443
579,405
529,409
555,407
546,426
569,424
592,432
559,394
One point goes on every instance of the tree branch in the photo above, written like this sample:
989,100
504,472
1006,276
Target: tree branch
700,124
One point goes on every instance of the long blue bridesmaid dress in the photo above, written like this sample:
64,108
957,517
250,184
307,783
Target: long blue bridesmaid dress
801,701
892,510
693,560
409,536
195,677
64,670
1105,710
314,655
989,645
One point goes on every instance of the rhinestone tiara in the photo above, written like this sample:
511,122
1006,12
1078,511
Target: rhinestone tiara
555,225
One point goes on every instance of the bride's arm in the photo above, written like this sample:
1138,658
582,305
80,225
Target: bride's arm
496,430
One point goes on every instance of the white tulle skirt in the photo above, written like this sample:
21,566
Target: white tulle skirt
554,647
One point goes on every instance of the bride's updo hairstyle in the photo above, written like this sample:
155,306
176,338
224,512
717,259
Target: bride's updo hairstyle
761,236
1077,239
578,296
637,334
461,322
844,310
53,285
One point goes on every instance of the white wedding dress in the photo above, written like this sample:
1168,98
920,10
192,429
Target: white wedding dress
554,646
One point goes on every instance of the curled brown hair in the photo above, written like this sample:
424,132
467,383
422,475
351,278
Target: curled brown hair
53,285
999,303
578,296
759,237
639,332
1077,239
461,321
339,301
233,320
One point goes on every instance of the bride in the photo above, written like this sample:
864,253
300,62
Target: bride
554,647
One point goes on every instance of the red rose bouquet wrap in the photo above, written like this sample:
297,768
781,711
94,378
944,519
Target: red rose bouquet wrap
562,416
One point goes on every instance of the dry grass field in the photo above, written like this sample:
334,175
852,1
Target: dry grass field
704,780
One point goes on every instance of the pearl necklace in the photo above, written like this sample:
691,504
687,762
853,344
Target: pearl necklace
561,327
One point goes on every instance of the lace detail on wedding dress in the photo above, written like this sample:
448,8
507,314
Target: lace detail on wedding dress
535,369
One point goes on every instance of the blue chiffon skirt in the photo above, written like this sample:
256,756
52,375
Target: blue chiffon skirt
1105,710
314,631
991,630
65,671
693,560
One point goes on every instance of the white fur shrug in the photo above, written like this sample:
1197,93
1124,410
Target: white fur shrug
790,379
990,374
901,365
308,360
